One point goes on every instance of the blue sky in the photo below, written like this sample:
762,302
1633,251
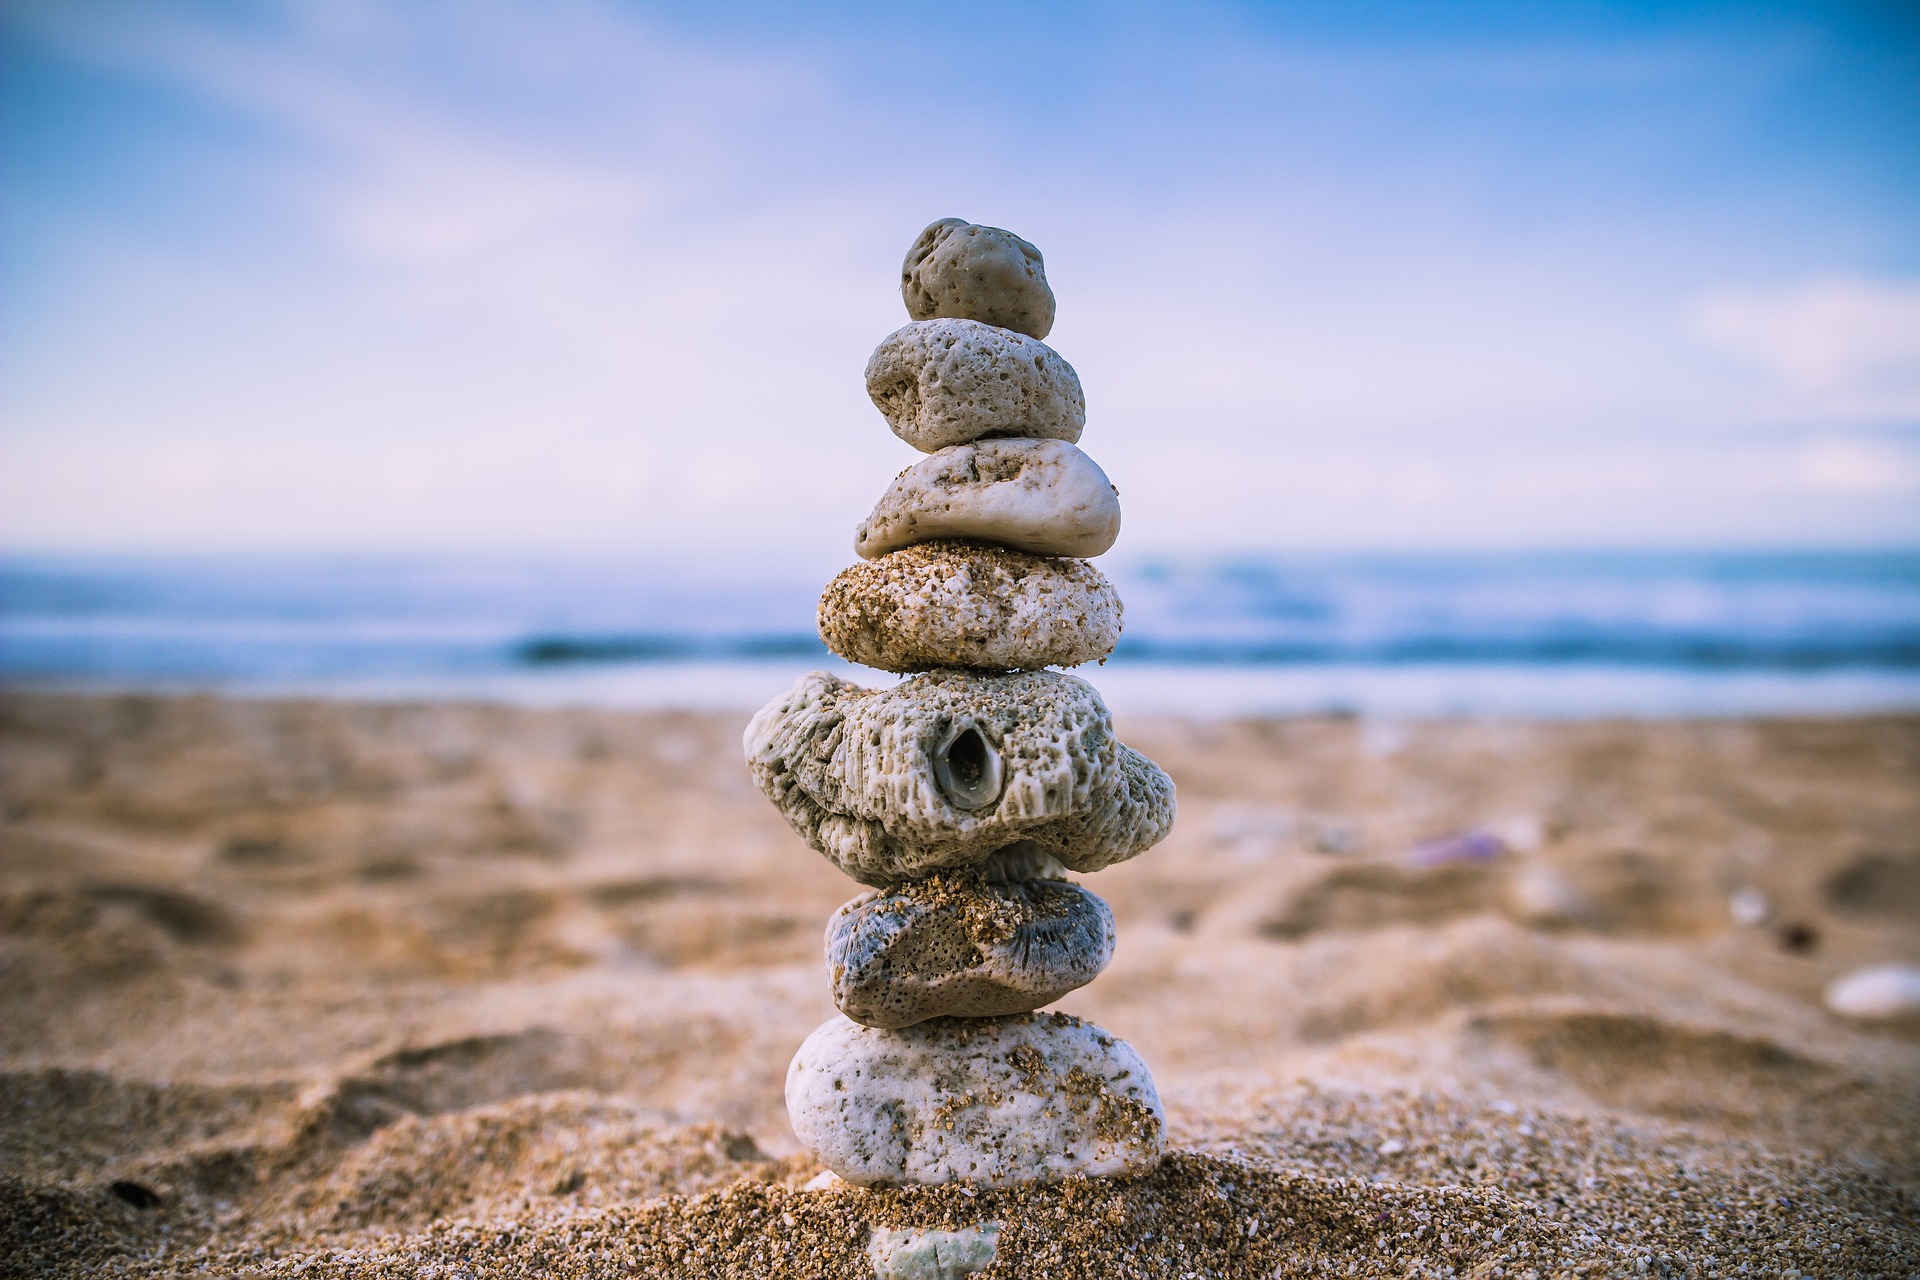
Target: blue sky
604,276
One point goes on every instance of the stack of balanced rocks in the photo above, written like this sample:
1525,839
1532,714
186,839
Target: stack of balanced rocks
964,794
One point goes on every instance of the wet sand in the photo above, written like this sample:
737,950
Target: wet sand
345,989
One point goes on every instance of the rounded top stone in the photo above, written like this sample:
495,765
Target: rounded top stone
963,271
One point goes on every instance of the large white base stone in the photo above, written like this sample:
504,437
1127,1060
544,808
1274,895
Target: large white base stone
1033,1097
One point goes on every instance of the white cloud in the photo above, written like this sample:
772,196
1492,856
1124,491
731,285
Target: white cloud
1861,467
1850,341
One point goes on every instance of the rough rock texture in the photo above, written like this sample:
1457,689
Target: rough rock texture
945,382
950,946
1040,496
946,604
1034,1097
856,772
979,273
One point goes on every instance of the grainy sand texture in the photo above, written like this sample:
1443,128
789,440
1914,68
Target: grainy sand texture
349,990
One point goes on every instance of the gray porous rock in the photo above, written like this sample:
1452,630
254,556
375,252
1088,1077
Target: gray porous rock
957,946
1033,1097
946,382
950,604
1044,497
945,769
979,273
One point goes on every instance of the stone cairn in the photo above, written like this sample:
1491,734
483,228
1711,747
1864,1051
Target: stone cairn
964,794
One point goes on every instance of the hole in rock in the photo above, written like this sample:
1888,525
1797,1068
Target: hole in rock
968,769
140,1197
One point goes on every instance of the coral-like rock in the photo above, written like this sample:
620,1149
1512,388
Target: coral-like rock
946,604
946,768
956,268
997,1101
946,382
1040,496
951,946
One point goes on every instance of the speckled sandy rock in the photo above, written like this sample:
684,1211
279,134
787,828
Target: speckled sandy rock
945,382
947,604
950,946
979,273
1035,1097
946,768
1040,496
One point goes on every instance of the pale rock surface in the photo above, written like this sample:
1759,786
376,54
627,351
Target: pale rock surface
1882,992
946,382
1541,896
946,947
957,268
1034,1097
947,604
947,768
1044,497
919,1253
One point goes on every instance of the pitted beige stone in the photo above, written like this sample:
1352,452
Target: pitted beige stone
1040,496
948,604
945,382
959,945
979,273
947,768
1032,1097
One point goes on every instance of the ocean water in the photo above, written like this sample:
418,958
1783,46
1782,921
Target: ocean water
1639,634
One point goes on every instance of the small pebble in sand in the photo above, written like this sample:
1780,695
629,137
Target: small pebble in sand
1882,992
1541,895
1749,907
913,1254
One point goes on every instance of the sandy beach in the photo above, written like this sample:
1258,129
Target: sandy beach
345,989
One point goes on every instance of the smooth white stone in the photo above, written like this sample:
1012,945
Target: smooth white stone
1884,991
852,770
946,382
1035,1097
958,268
1044,497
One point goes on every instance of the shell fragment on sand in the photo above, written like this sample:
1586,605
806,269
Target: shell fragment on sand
853,771
947,604
957,268
946,382
1044,497
945,947
1027,1098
